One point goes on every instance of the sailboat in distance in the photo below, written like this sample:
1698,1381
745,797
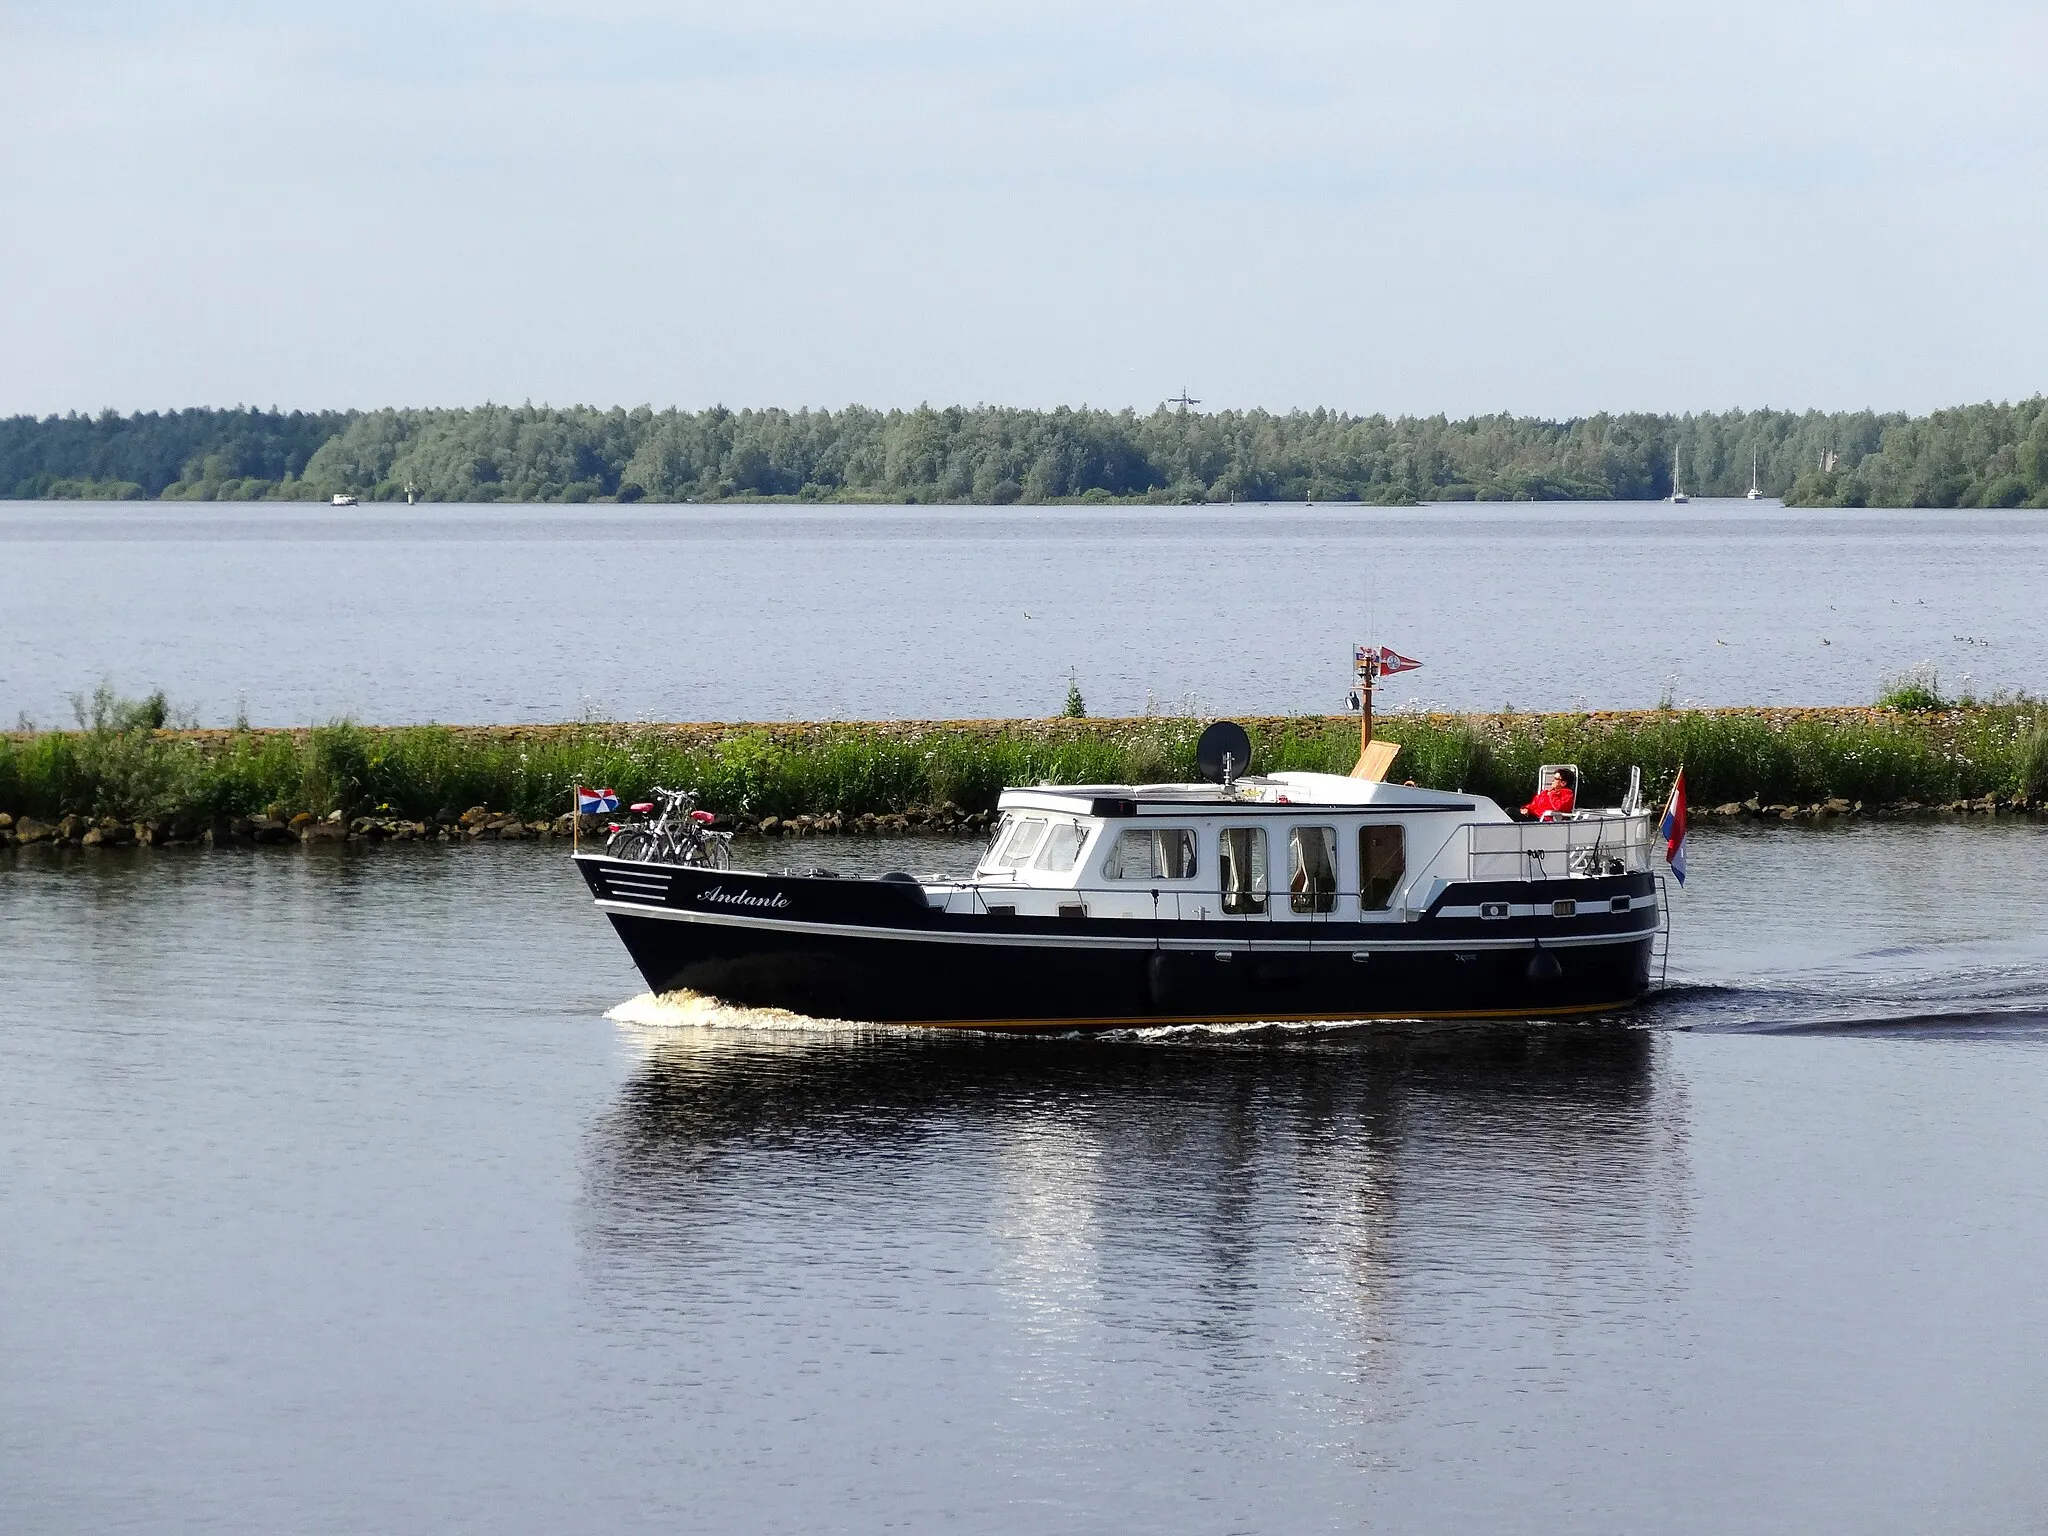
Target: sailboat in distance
1754,493
1678,497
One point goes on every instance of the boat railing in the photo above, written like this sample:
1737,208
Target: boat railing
1581,846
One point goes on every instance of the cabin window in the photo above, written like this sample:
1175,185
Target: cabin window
1165,853
1015,850
1241,857
997,838
1062,848
1382,861
1312,869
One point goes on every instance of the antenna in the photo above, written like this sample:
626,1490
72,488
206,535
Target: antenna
1183,399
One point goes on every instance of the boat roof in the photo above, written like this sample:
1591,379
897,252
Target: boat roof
1294,791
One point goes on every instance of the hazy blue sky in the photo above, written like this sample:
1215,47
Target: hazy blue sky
1553,208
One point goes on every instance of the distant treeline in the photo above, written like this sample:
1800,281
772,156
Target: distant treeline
1978,455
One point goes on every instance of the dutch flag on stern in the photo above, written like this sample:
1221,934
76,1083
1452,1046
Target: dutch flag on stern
595,802
1672,829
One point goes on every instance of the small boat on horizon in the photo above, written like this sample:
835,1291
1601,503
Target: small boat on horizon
1754,493
341,499
1678,497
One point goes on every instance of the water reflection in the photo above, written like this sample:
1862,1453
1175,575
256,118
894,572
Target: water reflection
1314,1194
323,1162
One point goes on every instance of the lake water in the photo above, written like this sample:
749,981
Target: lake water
334,1201
481,614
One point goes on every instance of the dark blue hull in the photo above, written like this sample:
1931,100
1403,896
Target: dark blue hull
875,950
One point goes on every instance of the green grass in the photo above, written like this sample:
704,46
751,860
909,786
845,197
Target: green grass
1788,758
1917,689
119,765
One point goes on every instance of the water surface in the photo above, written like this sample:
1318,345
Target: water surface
333,1201
300,614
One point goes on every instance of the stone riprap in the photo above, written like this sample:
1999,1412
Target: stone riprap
479,824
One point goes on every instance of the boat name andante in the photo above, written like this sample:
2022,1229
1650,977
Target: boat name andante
743,898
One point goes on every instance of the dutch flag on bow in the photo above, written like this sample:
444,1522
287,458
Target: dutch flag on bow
1672,829
595,802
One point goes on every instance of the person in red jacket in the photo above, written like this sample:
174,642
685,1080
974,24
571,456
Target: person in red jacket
1555,798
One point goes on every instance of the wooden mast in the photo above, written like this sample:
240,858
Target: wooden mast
1367,675
1374,757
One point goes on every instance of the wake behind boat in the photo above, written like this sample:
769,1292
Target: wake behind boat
1244,897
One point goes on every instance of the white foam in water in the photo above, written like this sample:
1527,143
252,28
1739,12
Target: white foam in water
683,1009
1221,1029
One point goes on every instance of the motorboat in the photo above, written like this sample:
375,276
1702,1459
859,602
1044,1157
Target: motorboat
341,499
1241,897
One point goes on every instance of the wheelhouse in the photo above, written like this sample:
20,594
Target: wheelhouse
1282,848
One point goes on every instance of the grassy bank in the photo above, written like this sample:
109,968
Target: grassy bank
124,766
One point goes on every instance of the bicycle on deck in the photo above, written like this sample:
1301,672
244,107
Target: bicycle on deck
681,834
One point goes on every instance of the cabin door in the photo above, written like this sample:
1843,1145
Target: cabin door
1242,883
1312,887
1382,869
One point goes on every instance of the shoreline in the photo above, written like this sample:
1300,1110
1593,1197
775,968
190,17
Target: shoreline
79,833
1935,724
1968,455
124,782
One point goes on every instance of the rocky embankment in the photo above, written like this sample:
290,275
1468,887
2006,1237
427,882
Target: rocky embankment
478,824
1897,810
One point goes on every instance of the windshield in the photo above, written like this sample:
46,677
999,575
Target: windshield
1016,841
1062,848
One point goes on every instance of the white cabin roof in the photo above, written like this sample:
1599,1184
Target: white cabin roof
1289,790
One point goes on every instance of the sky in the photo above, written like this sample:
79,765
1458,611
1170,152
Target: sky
1549,209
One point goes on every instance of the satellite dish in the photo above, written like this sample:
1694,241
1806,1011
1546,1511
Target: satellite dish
1224,739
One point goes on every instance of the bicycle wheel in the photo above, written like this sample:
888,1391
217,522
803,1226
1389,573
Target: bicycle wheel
700,849
718,849
632,844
